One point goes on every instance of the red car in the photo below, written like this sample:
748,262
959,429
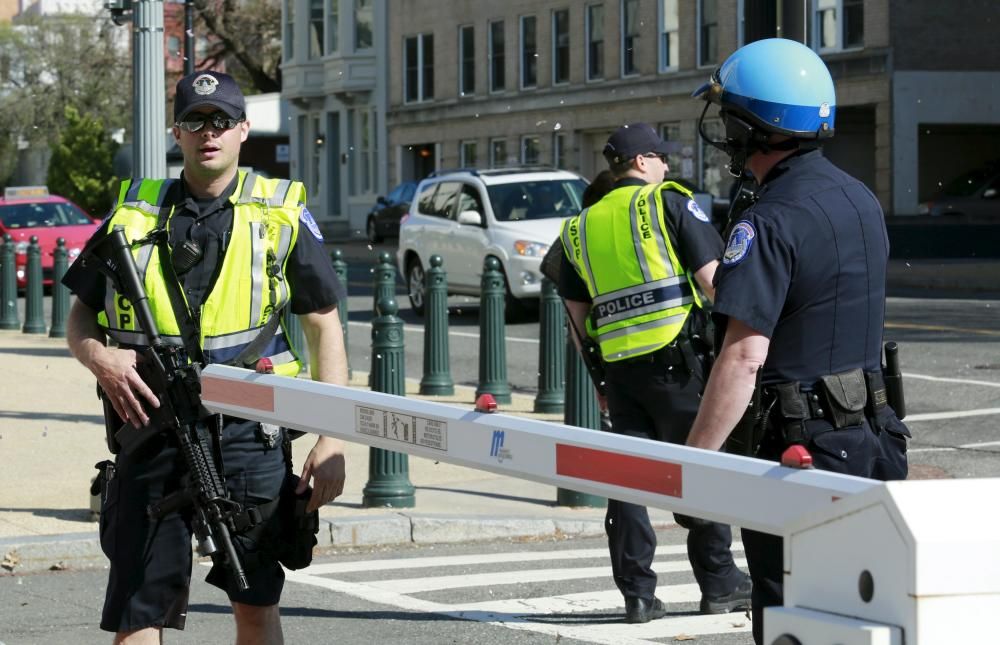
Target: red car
27,211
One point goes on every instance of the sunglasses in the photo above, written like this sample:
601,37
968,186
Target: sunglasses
219,121
656,155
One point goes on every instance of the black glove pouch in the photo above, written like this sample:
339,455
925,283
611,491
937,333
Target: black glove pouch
846,395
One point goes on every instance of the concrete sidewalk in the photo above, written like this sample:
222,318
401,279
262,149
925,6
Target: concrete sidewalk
52,434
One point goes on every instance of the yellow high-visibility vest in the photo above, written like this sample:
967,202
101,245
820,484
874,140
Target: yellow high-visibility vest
641,293
251,283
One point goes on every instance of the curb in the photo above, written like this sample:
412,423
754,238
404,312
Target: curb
83,550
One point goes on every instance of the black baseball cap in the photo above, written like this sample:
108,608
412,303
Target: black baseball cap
199,89
630,141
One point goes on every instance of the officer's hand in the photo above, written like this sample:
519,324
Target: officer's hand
325,465
115,372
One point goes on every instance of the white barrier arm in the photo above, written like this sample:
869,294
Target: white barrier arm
727,488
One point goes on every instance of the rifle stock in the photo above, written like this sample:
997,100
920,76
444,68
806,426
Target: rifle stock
177,384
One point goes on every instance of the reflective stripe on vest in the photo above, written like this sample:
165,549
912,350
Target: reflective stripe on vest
641,293
250,284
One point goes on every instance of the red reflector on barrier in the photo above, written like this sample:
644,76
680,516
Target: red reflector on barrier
264,366
627,471
486,403
796,457
247,395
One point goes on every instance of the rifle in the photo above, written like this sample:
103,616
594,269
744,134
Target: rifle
177,383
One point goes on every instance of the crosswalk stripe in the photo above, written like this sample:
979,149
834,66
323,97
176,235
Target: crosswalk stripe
615,633
496,578
397,564
578,602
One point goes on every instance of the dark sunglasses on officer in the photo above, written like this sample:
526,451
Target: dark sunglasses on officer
656,155
219,120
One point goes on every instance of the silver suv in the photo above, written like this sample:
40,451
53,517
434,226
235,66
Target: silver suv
466,215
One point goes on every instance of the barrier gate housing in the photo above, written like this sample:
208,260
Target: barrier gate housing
866,562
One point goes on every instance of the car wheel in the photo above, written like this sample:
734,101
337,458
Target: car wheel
373,235
416,284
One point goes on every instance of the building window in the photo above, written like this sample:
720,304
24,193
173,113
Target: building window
289,38
363,17
316,29
333,27
332,146
529,52
315,184
496,60
668,35
559,150
361,140
467,60
531,150
498,153
595,42
714,162
560,46
418,68
671,133
630,36
838,24
708,32
467,154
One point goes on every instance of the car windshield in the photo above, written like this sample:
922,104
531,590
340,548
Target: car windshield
42,214
967,184
536,199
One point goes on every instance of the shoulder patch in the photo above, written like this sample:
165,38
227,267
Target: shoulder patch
310,223
740,241
695,210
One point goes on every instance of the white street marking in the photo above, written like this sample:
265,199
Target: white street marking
954,414
943,379
462,334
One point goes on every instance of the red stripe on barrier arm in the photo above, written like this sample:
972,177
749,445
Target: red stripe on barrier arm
247,395
627,471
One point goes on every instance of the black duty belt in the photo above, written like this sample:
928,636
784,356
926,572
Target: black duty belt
669,355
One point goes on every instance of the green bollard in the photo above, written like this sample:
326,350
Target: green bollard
385,280
437,361
492,334
295,335
340,268
60,294
383,287
581,411
9,318
389,472
551,351
34,314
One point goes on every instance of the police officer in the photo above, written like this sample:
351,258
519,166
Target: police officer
242,248
800,292
636,256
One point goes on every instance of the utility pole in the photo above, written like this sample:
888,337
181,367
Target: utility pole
149,150
188,37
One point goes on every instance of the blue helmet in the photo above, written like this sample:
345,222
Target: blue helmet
780,86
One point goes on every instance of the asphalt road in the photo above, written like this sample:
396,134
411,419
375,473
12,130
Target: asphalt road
518,593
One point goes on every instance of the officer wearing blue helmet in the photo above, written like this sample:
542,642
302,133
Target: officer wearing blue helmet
800,291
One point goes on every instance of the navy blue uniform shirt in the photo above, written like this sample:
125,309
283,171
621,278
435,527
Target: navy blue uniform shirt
699,242
208,222
805,266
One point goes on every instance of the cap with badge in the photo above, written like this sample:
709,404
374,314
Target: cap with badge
207,88
630,141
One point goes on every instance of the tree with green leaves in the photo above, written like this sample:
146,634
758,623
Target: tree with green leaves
80,168
51,63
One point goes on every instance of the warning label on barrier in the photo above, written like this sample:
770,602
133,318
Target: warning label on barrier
405,428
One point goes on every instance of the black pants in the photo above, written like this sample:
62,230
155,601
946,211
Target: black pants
654,400
150,559
857,450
